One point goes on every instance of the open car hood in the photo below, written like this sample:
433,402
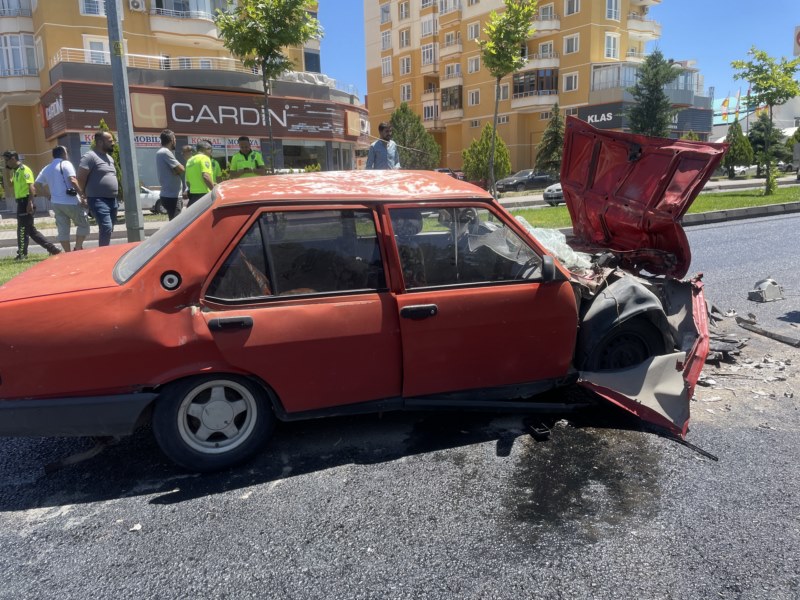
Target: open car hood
627,193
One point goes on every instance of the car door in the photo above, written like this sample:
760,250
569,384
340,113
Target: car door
301,302
474,311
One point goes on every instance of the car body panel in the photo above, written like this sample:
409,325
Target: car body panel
627,193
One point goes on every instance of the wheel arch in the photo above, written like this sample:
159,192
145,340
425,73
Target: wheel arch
621,301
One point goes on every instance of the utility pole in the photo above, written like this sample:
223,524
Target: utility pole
134,222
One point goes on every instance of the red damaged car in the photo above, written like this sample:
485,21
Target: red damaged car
299,296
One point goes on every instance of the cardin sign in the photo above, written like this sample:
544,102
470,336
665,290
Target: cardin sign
205,113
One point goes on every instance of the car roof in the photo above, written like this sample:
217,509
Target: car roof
347,186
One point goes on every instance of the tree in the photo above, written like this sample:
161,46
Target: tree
740,152
652,112
793,139
506,34
550,150
765,139
258,33
691,136
476,156
418,149
772,83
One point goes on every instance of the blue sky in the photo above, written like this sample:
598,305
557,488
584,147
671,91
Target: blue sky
710,32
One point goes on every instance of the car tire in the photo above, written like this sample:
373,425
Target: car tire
552,203
520,187
212,422
158,208
626,345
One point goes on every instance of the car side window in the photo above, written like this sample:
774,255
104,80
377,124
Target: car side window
290,253
462,245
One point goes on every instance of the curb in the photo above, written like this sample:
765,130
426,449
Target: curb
11,242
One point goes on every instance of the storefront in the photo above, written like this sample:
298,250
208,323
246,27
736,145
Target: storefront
305,132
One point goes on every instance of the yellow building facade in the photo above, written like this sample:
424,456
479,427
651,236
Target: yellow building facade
583,55
55,86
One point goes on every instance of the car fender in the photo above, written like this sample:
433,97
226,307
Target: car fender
621,301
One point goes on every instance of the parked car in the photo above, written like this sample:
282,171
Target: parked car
553,194
446,171
298,296
742,170
150,200
460,175
786,167
527,179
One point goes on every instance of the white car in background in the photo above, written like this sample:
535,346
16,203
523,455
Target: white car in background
150,200
553,195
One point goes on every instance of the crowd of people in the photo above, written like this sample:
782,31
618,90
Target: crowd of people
94,188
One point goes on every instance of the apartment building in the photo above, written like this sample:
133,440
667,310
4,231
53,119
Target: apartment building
55,86
583,55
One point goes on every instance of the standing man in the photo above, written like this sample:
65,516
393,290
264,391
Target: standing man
59,177
169,171
247,162
199,173
215,166
97,177
25,192
383,153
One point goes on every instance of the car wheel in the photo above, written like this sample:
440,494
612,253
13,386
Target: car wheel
552,203
520,187
626,345
158,208
212,422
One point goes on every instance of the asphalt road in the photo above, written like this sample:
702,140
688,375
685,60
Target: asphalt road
432,505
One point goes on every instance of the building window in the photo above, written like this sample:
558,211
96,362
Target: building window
474,64
546,50
452,70
386,13
429,26
546,12
503,91
502,119
474,97
446,6
451,98
430,112
386,66
426,3
405,92
472,2
537,82
404,10
386,40
18,55
570,82
405,38
205,63
473,31
612,45
545,116
475,123
184,63
612,10
572,6
96,8
96,50
571,112
572,43
311,61
452,38
428,54
405,65
39,53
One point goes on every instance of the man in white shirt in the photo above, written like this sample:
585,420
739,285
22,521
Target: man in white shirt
65,195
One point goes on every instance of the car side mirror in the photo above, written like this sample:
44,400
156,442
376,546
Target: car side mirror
548,268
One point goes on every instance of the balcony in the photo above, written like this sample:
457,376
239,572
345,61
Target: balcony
16,20
451,79
535,99
23,83
546,23
430,95
544,60
450,49
645,3
454,113
185,27
643,29
433,124
609,92
635,56
388,103
432,67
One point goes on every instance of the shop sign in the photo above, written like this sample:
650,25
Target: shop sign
604,116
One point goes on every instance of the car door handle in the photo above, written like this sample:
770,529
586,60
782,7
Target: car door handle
230,323
419,311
